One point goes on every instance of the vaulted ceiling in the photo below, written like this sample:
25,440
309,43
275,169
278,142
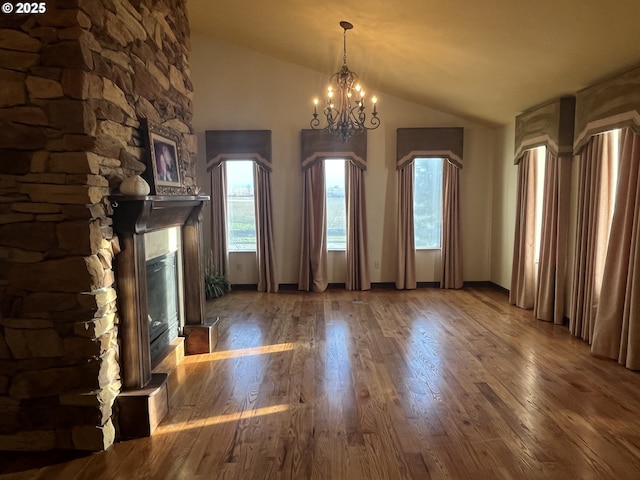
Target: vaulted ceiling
485,60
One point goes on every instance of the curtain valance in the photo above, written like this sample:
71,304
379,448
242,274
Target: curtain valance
440,142
320,144
613,103
224,145
549,125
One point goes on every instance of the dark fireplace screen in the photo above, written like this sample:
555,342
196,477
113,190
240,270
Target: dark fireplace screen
162,297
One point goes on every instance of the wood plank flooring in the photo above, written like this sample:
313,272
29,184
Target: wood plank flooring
424,384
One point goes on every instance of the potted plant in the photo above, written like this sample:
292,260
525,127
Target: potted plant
215,283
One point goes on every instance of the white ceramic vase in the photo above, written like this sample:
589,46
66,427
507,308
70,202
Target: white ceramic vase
136,186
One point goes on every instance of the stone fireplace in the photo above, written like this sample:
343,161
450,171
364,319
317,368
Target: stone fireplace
76,83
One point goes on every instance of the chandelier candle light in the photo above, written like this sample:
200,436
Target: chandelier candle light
345,104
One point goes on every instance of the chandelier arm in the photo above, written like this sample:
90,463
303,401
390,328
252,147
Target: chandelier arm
375,122
332,114
358,118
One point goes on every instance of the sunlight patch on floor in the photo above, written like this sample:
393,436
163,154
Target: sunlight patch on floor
218,419
240,352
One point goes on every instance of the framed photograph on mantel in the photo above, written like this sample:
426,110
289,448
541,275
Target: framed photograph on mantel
164,171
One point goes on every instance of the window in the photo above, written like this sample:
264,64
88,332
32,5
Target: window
427,202
615,154
540,160
241,214
334,184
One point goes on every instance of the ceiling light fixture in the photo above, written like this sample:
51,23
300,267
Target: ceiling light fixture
345,104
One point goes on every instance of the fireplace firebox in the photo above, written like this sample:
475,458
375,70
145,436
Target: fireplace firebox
162,301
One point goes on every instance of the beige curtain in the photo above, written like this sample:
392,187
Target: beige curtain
219,252
451,232
595,188
523,274
265,251
313,255
549,300
616,332
406,262
357,258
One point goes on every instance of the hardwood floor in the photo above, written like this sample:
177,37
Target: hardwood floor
424,384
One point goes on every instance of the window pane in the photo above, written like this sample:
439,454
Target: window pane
427,202
241,217
539,159
334,173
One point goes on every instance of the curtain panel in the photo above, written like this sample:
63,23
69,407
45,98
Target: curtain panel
542,287
446,143
551,277
219,253
318,145
406,253
313,254
522,290
266,249
603,302
255,145
616,332
357,251
451,231
592,232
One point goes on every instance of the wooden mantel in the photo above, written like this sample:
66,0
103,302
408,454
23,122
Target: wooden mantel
133,217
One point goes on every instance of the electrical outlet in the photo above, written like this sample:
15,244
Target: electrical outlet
376,264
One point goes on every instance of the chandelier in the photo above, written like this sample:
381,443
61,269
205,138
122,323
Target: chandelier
344,109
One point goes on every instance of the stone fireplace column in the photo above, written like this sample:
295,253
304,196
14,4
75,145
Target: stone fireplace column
74,84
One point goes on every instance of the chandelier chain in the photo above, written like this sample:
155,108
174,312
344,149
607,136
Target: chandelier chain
344,56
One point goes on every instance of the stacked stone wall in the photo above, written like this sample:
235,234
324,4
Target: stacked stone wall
74,84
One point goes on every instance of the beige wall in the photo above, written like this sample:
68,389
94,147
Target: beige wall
236,88
505,176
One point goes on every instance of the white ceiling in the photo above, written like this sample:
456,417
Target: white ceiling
481,59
